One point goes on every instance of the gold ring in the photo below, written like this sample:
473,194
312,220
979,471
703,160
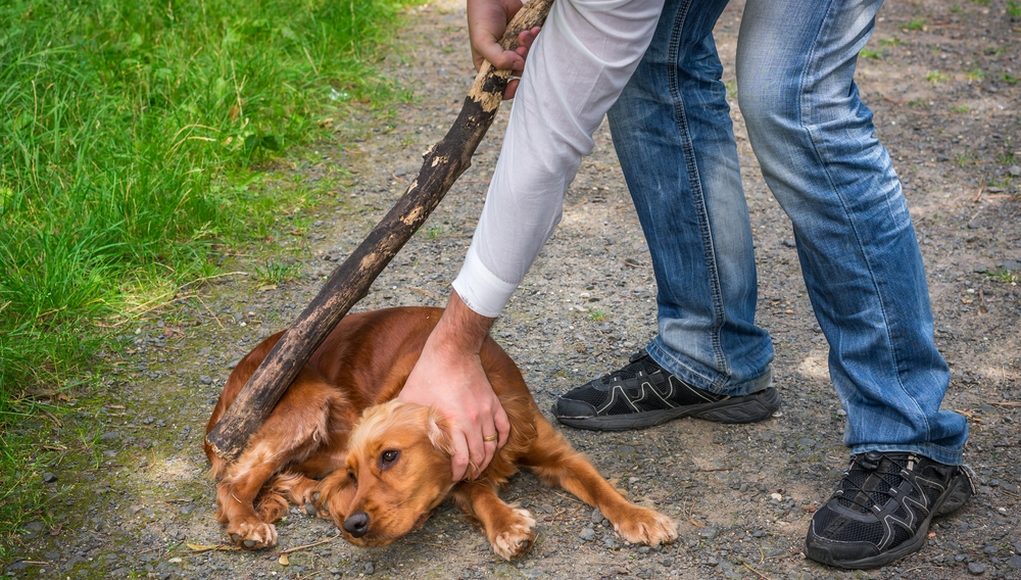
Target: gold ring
490,438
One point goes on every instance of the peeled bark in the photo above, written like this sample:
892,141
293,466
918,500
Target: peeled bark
350,281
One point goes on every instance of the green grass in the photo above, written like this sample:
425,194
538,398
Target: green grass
129,134
916,24
1014,8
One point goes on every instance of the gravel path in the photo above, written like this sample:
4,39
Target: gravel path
743,494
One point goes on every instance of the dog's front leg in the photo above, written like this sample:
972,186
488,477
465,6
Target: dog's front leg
554,460
510,530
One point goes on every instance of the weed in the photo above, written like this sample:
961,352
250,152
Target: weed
275,273
936,77
1010,79
1003,276
915,24
965,159
961,109
1014,8
872,54
975,74
598,315
890,42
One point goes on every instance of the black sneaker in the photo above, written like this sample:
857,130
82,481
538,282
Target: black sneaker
882,509
643,394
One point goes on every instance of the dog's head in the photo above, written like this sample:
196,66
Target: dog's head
398,470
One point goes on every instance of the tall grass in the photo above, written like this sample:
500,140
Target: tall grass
126,128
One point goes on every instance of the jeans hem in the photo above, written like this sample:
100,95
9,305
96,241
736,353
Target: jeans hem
677,366
945,455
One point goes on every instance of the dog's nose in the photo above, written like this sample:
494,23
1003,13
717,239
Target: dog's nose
357,524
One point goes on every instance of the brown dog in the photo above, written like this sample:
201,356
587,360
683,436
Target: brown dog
379,474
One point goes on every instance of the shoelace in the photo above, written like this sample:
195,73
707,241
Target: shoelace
867,468
640,363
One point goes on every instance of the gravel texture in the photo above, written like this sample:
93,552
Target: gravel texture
743,494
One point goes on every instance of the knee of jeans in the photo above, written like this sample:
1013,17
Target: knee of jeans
767,106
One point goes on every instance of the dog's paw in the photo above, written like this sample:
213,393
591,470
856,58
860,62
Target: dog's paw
645,526
253,535
516,538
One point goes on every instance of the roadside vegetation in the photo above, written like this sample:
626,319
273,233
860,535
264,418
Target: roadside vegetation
130,139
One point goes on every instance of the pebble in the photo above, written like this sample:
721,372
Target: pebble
1014,170
49,477
1014,562
369,568
588,534
976,569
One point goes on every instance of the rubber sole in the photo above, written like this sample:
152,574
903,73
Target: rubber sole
744,409
959,492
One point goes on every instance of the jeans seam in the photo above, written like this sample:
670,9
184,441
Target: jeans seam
804,112
698,194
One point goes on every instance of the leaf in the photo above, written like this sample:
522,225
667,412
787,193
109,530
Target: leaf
284,560
212,548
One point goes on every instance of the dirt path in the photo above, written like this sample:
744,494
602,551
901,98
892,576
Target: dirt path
943,83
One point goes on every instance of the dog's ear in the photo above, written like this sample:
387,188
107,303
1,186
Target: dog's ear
438,431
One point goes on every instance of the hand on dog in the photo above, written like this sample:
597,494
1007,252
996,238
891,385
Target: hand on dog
450,378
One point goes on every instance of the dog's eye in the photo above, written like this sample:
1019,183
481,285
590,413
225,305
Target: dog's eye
388,457
351,476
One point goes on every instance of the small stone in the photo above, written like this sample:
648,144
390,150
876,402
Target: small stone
35,528
1014,562
587,534
1014,170
110,436
206,380
49,477
369,568
976,569
597,516
990,549
775,497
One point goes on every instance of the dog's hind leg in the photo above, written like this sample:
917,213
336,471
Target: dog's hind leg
553,459
298,425
510,530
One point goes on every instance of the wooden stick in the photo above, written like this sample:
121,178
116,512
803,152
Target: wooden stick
442,165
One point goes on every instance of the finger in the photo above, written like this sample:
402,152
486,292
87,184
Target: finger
502,425
488,446
512,88
476,452
459,460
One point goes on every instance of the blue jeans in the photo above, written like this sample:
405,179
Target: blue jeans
816,143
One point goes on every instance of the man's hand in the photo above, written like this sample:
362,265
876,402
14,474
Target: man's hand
487,21
449,377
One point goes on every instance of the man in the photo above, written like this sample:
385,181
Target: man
652,66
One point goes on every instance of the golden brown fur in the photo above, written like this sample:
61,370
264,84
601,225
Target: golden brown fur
338,444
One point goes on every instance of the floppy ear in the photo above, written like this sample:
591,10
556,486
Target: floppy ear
438,433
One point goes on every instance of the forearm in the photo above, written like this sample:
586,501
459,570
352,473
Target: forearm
460,329
576,69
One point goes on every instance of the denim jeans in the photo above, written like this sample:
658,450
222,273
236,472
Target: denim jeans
816,143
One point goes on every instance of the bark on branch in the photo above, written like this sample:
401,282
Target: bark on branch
442,165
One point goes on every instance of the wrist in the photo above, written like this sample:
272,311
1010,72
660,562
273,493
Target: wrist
460,328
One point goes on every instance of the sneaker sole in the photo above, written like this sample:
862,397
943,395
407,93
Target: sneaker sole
956,496
746,409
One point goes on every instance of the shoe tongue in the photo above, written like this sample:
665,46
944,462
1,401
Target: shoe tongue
868,484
